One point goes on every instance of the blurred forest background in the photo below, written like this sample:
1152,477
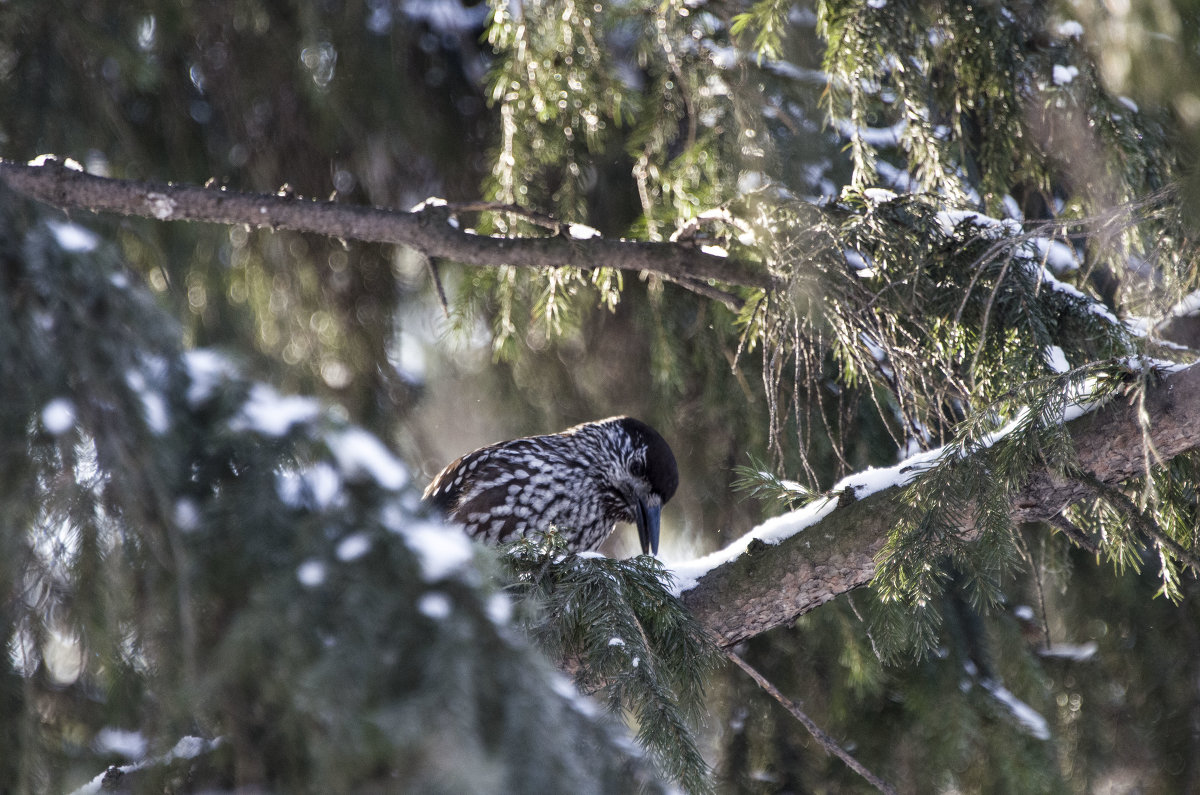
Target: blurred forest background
150,591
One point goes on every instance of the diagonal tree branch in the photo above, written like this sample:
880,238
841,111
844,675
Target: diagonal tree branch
427,230
770,585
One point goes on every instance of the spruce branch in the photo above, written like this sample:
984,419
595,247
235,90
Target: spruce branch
759,482
828,743
770,585
615,626
427,229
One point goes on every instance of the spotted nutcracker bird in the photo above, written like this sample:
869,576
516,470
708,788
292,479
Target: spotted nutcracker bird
582,481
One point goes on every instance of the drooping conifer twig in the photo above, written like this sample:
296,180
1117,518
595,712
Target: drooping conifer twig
427,229
1144,523
828,743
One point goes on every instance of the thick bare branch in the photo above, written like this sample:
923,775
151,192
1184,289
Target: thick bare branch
427,230
769,586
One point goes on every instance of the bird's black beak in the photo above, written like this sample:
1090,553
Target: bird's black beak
647,525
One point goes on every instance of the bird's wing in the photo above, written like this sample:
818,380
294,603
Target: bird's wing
478,488
500,464
447,487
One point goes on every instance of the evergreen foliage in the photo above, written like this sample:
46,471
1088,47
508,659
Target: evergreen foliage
626,638
243,565
952,321
978,218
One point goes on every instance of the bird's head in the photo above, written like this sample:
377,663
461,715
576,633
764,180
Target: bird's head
649,479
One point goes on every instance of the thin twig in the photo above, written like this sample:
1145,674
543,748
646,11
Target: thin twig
731,302
436,277
1036,569
827,742
1075,533
534,217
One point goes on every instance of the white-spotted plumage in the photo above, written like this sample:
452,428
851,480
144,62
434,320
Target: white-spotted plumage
581,481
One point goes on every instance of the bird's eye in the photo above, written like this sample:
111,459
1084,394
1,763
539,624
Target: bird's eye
637,468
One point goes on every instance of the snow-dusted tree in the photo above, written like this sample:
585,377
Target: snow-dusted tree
187,552
935,238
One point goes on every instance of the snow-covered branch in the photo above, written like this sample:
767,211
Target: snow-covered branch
428,229
796,562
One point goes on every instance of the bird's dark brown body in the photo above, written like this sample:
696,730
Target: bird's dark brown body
581,481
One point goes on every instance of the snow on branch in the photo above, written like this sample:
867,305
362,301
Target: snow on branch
126,777
429,229
798,561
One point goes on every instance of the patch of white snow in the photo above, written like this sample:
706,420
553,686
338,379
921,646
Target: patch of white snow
1063,75
582,231
318,486
271,414
499,609
948,220
442,550
161,205
154,403
353,547
1029,718
1079,652
1070,29
1056,255
1093,306
563,687
186,514
1056,360
122,742
73,237
879,195
1188,306
435,605
58,416
360,455
206,369
312,573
